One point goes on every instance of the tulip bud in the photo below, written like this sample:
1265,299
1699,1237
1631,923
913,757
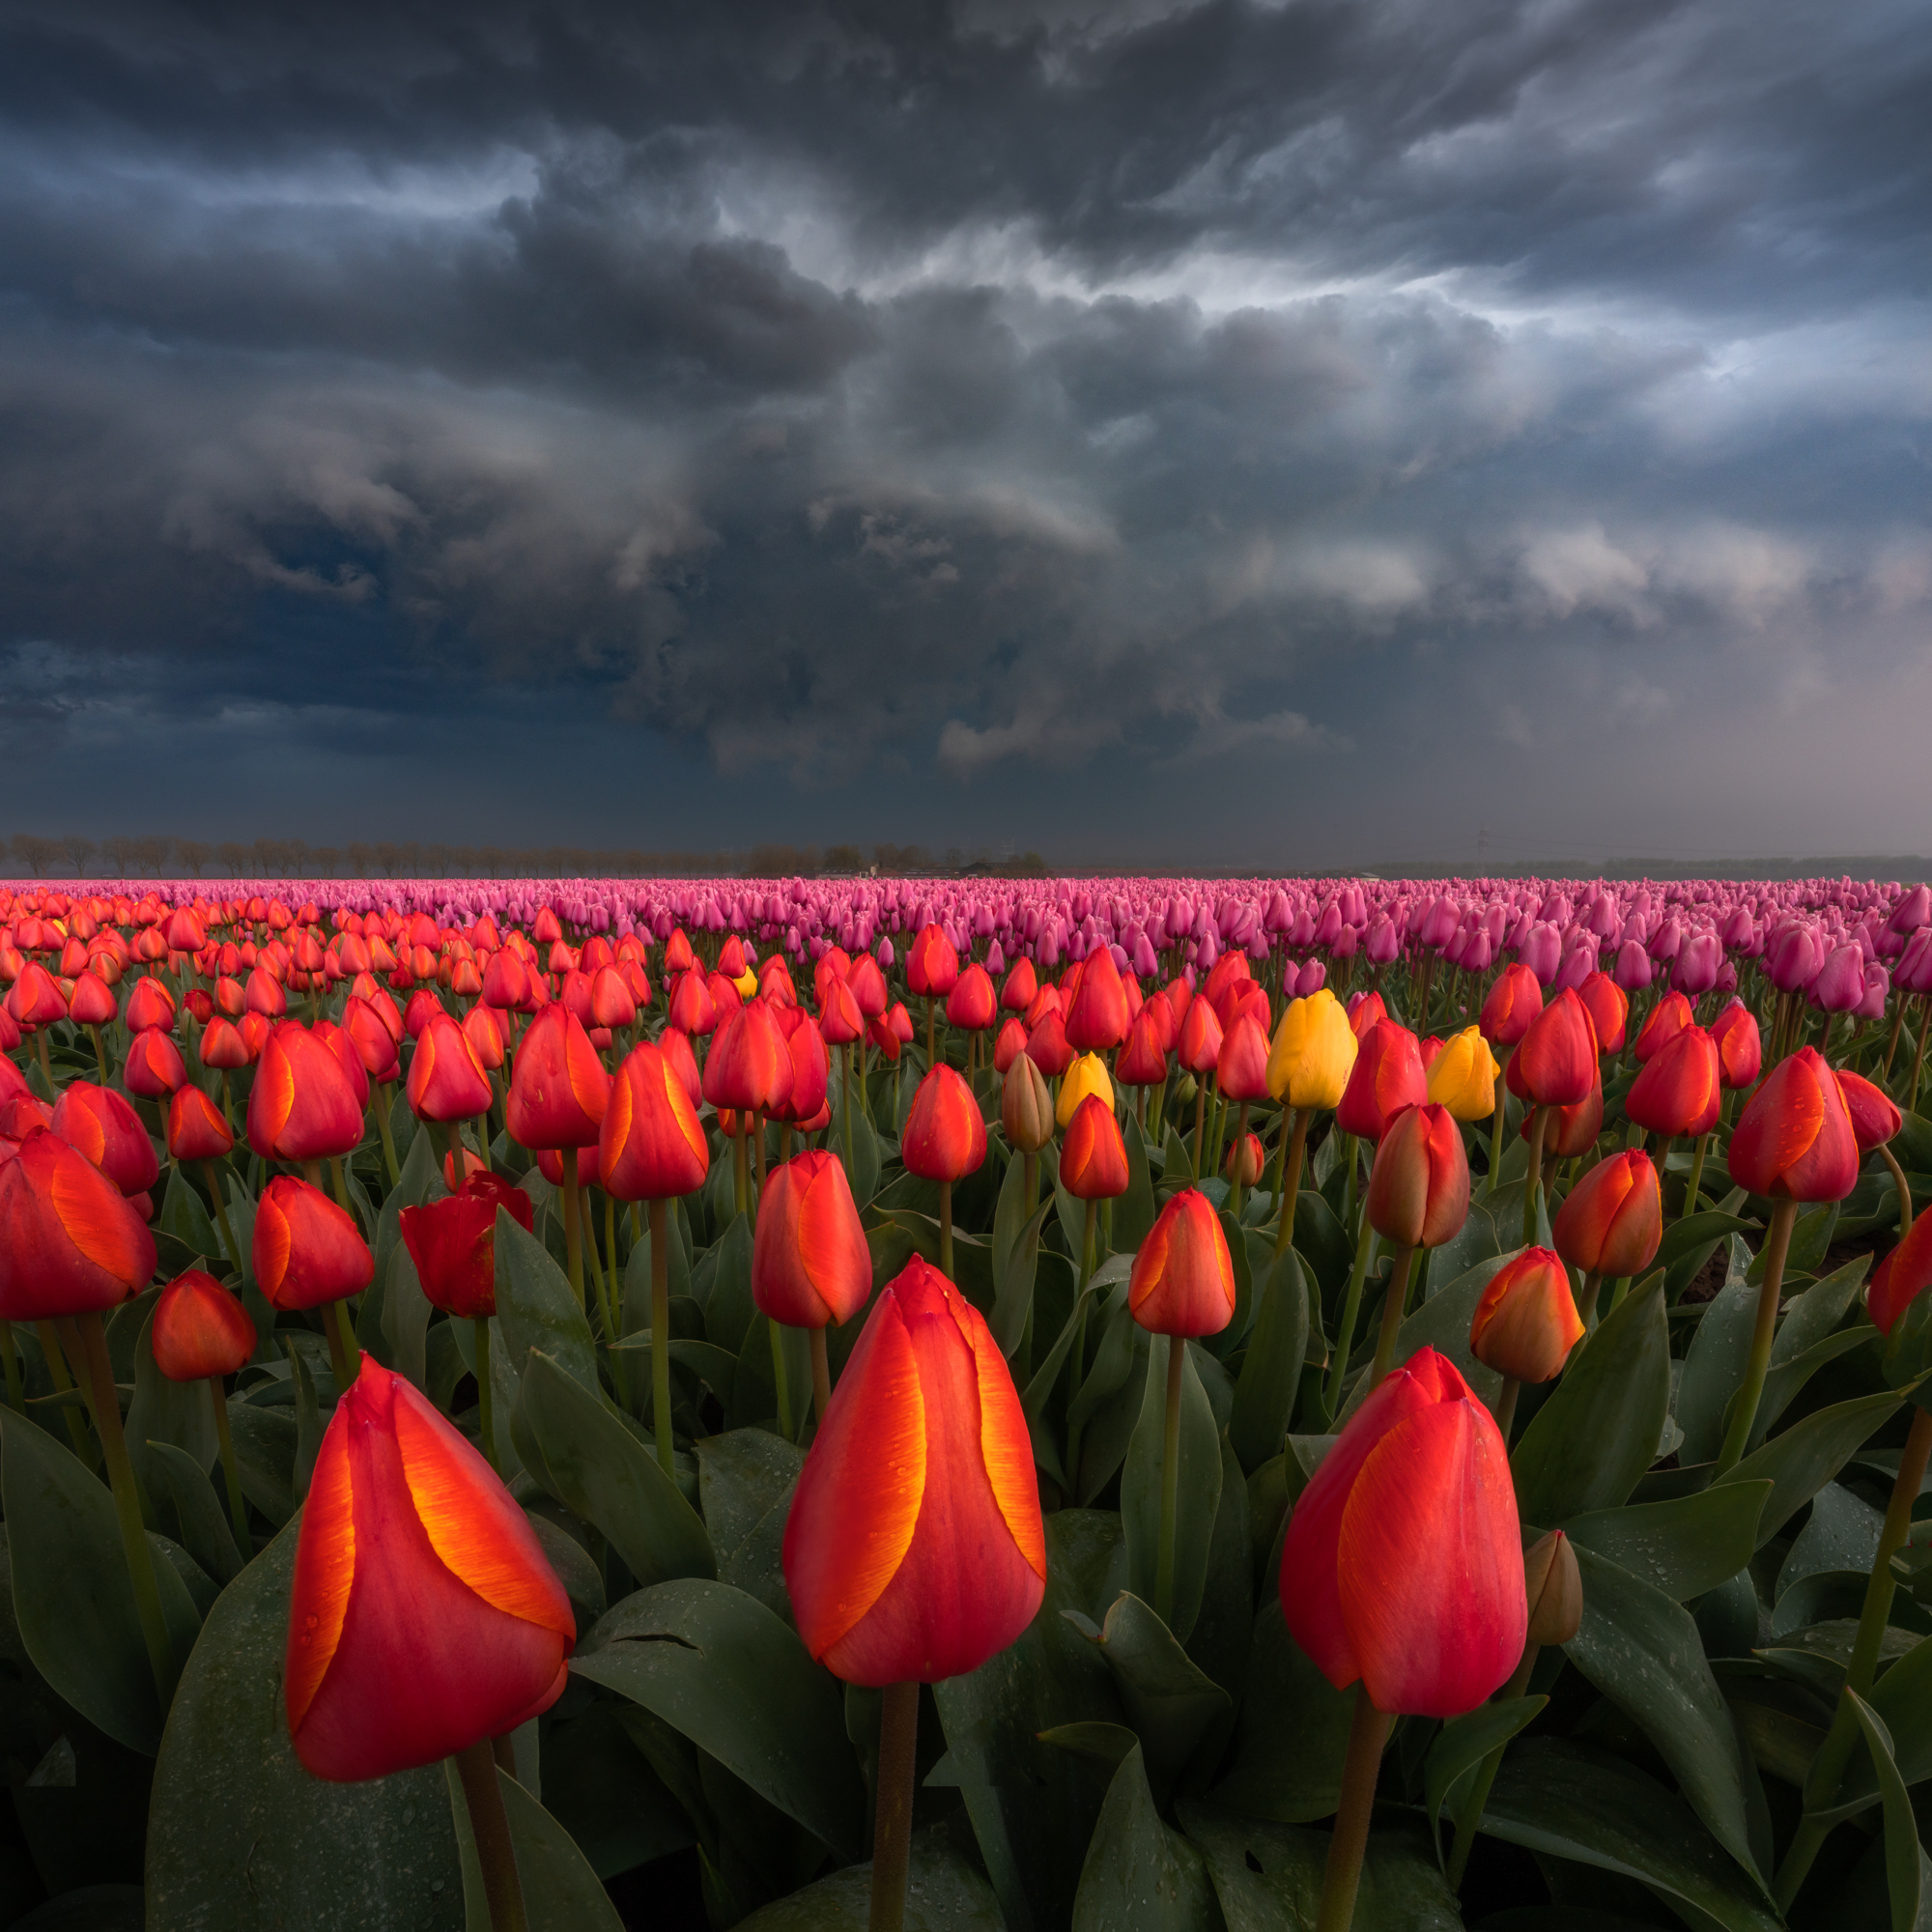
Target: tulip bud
1668,1017
1553,1586
1463,1076
1514,1002
446,1080
196,1128
154,1068
1008,1046
1609,1007
1094,1159
945,1137
810,1266
1739,1050
1245,1162
1611,1222
1794,1140
749,1066
302,1106
1677,1091
1526,1322
558,1087
1099,1017
1386,1077
199,1329
932,966
1904,1274
70,1243
306,1250
453,1242
1182,1281
100,1124
1313,1053
1874,1119
1086,1077
651,1146
1241,1068
1419,1187
1026,1107
1557,1058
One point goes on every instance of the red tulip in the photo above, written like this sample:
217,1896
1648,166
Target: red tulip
1240,1068
154,1067
424,1615
100,1124
1403,1563
1874,1119
1184,1278
1526,1322
306,1250
1048,1049
972,1004
693,1011
651,1146
1419,1187
1557,1057
1143,1060
1611,1222
446,1080
302,1106
914,1549
199,1329
1246,1162
944,1136
1739,1050
1795,1140
933,967
1367,1010
35,998
1387,1076
1022,983
370,1034
70,1243
749,1066
1099,1017
1514,1002
1668,1017
809,1263
839,1019
453,1242
1199,1049
558,1087
1677,1091
196,1128
811,1070
1010,1043
1609,1007
1094,1158
1904,1274
93,1003
867,988
1568,1131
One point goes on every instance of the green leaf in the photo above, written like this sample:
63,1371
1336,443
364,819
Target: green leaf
1012,1299
1841,1533
1045,1377
1784,1379
1714,1365
729,1307
745,1482
1139,1871
1698,1231
1465,1742
1586,1446
1270,1375
1811,1241
1442,1323
1169,1701
229,1792
183,1218
945,1893
419,1181
264,1452
1571,1801
1199,1492
1641,1650
74,1603
591,1464
600,1787
535,1308
718,1666
1134,1211
1269,1877
561,1892
583,1580
1902,1865
1802,1460
1685,1546
309,1421
404,1317
1292,1735
207,1532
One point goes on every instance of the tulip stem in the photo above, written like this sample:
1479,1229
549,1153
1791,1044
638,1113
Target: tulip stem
238,1503
821,1376
661,1336
213,1179
1170,1481
946,1228
573,1234
490,1827
1352,1306
892,1833
16,1400
1200,1119
1696,1176
1343,1875
1294,1148
100,1052
1505,1408
87,1347
1469,1814
1241,1160
1497,1131
1532,1180
380,1107
1393,1310
1587,1297
341,1344
846,1110
46,1061
485,1402
341,1180
1919,1055
759,1148
740,1186
1904,1192
56,1361
1827,1769
1744,1416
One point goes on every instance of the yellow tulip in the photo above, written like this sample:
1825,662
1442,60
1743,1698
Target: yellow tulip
1086,1075
1312,1053
1463,1078
747,983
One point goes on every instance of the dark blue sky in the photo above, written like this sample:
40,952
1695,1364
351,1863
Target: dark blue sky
1278,435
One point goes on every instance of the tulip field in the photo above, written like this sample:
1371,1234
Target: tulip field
929,1403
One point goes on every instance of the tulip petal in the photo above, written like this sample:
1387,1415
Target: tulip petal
325,1569
1005,1442
98,1222
1429,1564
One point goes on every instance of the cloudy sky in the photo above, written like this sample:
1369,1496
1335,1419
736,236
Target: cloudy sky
1286,434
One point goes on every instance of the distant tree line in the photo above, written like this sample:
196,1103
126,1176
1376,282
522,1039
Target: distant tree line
152,855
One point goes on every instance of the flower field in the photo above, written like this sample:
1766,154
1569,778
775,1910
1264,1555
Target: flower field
1028,1404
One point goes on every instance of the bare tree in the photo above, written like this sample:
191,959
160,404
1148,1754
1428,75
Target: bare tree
390,856
36,853
78,852
150,852
193,855
360,858
234,856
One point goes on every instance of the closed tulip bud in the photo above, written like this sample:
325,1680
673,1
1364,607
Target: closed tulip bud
1245,1160
558,1087
1241,1070
1047,1047
1554,1586
1794,1140
343,1047
1668,1018
196,1130
446,1081
1182,1281
1609,1007
973,1004
306,1250
1313,1053
369,1033
749,1066
35,999
1386,1077
1364,1010
100,1124
693,1011
154,1068
1570,1131
1009,1044
1419,1187
70,1242
1403,1563
1463,1076
1085,1078
811,1070
839,1019
945,1138
453,1242
1199,1048
1094,1158
1677,1091
1514,1002
199,1329
1026,1107
933,967
1099,1016
867,987
264,993
302,1106
651,1145
1874,1119
1022,985
1611,1222
1557,1057
1143,1060
484,1031
810,1266
610,1002
914,1549
93,1003
1904,1274
424,1616
1739,1050
1526,1322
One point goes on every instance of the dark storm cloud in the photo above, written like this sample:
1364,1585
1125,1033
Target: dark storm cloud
848,391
